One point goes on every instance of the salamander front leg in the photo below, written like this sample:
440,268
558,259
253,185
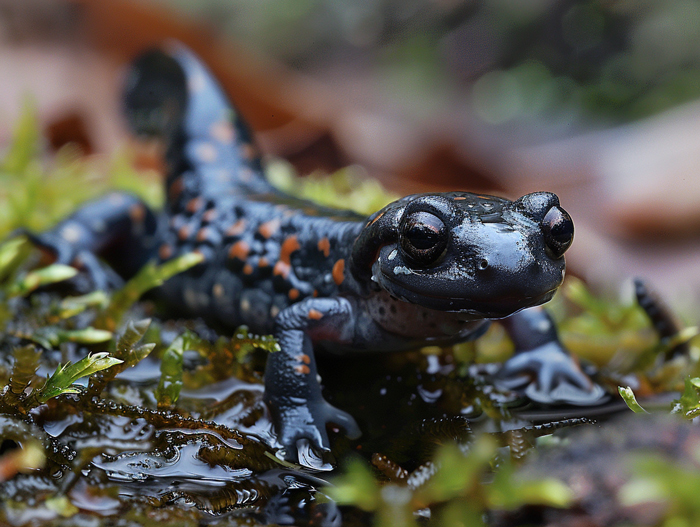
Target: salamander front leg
292,390
542,367
119,228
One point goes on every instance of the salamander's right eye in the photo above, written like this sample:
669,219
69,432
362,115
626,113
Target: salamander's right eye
423,237
558,230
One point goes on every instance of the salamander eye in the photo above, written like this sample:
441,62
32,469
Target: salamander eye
558,230
423,237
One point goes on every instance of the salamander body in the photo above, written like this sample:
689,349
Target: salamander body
426,269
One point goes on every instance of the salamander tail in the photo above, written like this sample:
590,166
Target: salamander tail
171,94
155,95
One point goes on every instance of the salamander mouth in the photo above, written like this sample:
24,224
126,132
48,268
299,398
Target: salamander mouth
500,307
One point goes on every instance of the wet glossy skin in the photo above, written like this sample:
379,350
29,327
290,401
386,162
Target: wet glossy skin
426,269
495,260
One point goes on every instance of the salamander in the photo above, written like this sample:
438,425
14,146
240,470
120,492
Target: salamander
427,269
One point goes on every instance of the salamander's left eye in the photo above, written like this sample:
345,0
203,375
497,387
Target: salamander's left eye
423,237
558,230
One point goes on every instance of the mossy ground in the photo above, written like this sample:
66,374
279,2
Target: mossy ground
109,411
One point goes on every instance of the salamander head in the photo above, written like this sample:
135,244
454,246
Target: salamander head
482,255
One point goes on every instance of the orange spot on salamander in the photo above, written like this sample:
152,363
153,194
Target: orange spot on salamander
222,132
236,229
209,215
302,369
249,151
324,245
284,264
303,358
459,198
48,256
194,205
247,269
269,228
202,234
315,314
293,294
184,232
207,153
165,251
262,262
176,188
137,213
239,250
245,174
339,271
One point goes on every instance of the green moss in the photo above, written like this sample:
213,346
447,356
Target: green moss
347,186
201,397
36,193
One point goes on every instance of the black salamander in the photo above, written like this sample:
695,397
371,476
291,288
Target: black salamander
426,269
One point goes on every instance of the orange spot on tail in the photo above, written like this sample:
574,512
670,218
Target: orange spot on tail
236,229
302,369
247,269
222,132
339,271
324,245
269,228
207,153
304,358
293,294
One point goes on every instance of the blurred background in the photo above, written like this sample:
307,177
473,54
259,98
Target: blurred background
594,100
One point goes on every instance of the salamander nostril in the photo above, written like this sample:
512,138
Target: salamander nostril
558,230
483,264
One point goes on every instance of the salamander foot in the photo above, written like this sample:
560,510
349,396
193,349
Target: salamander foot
95,275
548,375
301,427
